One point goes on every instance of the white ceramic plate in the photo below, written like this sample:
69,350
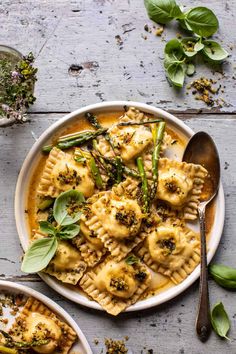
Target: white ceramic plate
28,168
81,345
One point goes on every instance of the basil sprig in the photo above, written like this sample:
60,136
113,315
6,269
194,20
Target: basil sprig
66,212
223,275
162,11
201,22
220,320
180,53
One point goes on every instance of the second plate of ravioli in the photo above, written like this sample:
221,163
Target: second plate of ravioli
23,307
164,285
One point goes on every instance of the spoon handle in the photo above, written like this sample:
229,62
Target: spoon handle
203,323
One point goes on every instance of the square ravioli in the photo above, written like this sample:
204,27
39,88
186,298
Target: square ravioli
116,285
67,265
62,173
132,140
179,185
36,322
171,249
117,221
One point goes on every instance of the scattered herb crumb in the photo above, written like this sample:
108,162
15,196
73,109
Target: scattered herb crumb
204,90
159,31
115,346
96,341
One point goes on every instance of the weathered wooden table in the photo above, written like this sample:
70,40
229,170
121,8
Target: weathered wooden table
106,39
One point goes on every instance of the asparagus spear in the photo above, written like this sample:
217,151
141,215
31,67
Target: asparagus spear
158,134
124,124
81,156
96,173
45,203
119,169
92,119
77,139
126,170
8,350
145,192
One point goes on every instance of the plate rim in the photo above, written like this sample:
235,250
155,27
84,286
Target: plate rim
71,294
28,291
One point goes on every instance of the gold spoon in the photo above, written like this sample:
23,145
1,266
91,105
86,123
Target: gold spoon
201,150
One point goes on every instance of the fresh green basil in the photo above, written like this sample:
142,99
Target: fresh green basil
39,255
220,320
162,11
188,44
223,275
66,207
190,69
174,50
214,51
176,73
198,46
202,21
184,24
132,259
69,231
47,228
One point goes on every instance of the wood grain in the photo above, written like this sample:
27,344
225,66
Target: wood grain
109,67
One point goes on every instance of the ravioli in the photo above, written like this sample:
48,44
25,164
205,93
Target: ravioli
117,222
62,173
36,322
171,249
67,265
116,285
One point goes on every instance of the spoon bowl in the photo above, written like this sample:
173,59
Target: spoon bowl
202,150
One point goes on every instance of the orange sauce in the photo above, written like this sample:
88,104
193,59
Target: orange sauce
79,125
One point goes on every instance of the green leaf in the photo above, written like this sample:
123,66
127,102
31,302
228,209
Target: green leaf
69,231
184,24
190,70
188,44
174,50
223,275
132,259
176,74
198,46
162,11
66,209
45,203
47,228
202,21
39,254
214,51
220,320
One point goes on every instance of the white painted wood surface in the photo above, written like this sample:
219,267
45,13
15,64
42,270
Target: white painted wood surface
62,33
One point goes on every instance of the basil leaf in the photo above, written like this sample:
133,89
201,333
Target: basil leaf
174,50
184,24
47,228
132,259
223,275
202,21
214,51
69,231
198,46
188,45
220,320
190,70
39,254
66,207
176,74
162,11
